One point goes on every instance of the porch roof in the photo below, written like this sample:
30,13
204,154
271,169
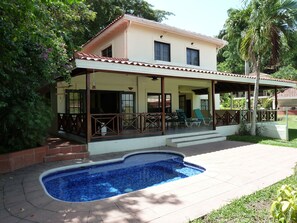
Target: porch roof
226,82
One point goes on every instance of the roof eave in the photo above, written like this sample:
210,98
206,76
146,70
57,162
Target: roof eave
167,71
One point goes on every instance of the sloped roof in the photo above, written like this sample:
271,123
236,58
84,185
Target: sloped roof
160,26
288,93
93,57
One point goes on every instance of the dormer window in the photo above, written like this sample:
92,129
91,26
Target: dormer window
162,51
193,57
107,52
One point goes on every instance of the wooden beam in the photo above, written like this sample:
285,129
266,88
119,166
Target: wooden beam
88,108
163,105
213,90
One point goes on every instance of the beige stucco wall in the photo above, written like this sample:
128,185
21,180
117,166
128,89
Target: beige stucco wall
140,47
141,85
117,41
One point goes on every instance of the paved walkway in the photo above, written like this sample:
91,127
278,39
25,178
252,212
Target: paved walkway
232,169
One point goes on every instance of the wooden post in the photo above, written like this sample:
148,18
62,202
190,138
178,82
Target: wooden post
88,108
163,105
213,83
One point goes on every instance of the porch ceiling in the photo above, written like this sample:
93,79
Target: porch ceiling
227,87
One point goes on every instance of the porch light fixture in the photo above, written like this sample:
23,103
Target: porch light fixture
154,78
192,43
130,88
94,85
161,36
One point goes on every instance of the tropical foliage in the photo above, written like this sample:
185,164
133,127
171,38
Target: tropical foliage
108,10
37,39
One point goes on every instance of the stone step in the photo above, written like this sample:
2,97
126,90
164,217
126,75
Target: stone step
199,138
66,156
67,149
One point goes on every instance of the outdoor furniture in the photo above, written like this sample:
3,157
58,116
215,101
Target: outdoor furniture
200,117
189,122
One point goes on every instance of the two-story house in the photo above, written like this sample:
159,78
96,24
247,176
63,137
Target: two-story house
122,74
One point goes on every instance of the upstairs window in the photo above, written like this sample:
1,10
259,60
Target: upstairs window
162,51
107,52
193,57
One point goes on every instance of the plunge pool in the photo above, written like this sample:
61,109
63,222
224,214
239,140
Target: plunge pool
96,181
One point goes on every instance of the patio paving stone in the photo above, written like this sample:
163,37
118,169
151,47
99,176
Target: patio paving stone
233,169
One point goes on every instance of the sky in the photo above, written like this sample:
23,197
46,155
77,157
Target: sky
201,16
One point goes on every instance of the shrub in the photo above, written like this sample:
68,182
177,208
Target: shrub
284,208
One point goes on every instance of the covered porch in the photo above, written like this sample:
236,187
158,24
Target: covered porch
114,99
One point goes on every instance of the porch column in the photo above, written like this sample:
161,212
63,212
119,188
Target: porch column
213,91
275,102
163,105
88,108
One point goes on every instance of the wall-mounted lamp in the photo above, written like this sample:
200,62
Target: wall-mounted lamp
154,78
161,36
192,43
130,88
94,85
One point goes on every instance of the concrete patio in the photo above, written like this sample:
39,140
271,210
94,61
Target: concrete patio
233,169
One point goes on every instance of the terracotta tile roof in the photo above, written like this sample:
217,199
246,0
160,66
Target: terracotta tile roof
89,56
93,57
290,92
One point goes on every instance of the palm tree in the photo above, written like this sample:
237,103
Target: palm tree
271,23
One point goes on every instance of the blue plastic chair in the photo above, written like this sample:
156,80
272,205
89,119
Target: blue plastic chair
182,119
200,117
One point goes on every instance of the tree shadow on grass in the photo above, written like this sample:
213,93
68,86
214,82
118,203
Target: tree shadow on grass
292,134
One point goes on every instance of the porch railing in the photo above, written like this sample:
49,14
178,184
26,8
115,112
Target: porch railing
109,125
72,123
121,124
262,115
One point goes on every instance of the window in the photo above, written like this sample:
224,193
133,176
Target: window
204,104
75,101
162,51
193,57
107,52
154,102
127,102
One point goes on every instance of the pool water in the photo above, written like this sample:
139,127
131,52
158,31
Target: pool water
135,172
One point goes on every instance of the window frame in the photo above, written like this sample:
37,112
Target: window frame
107,52
81,101
160,54
204,104
190,58
159,107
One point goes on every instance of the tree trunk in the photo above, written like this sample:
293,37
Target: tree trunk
246,72
256,95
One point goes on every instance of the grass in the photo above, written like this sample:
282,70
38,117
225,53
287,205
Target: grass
270,141
253,208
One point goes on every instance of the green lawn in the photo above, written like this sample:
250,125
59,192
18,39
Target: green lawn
277,142
255,208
